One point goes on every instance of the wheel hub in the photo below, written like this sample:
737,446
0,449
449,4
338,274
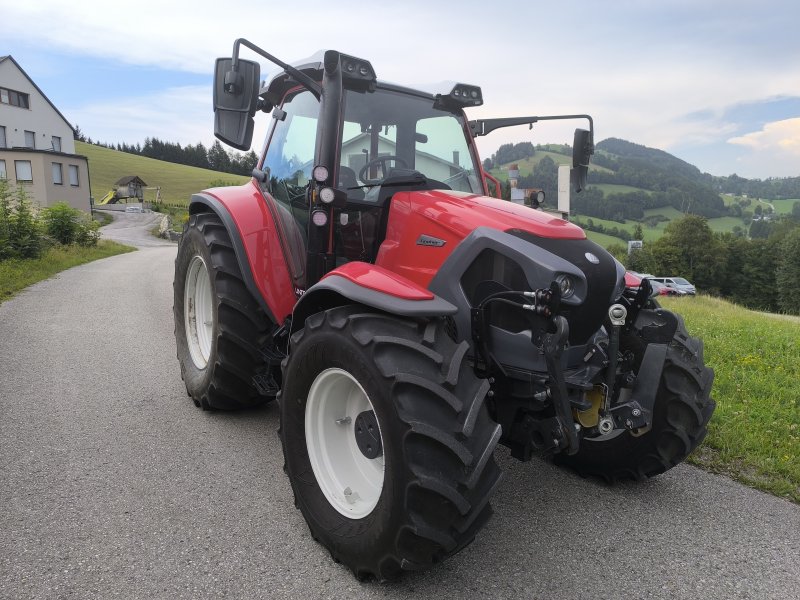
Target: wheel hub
367,435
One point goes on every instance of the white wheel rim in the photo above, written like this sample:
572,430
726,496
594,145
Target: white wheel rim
350,481
198,312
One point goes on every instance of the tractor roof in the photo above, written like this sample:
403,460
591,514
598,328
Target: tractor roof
313,66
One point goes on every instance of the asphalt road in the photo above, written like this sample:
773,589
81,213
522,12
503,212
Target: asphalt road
113,485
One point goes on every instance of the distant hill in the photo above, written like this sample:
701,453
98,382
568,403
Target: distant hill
630,184
177,182
622,149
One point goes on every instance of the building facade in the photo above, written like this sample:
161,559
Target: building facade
37,147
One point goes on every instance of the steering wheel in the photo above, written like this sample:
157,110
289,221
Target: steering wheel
382,161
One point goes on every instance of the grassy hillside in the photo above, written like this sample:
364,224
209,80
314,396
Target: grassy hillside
754,435
177,182
784,207
526,165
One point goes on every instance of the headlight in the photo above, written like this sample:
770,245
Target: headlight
326,195
566,285
320,174
319,218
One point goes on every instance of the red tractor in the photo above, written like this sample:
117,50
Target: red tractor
407,322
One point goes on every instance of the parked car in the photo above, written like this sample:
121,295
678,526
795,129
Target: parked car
633,280
677,283
664,290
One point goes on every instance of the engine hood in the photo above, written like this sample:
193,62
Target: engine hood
462,212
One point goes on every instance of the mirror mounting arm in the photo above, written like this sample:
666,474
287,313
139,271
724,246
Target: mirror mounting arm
301,77
486,126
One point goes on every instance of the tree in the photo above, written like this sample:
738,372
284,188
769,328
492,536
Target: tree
787,276
24,236
689,248
487,164
545,176
638,233
218,159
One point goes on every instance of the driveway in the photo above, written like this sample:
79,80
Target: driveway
113,485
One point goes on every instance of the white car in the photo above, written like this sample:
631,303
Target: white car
677,283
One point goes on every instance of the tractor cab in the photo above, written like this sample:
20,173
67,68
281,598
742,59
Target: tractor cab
341,144
389,139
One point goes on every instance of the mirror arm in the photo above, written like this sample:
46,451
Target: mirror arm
486,126
301,77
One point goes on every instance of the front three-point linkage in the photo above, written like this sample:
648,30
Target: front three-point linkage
543,303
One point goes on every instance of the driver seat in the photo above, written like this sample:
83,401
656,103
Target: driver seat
348,182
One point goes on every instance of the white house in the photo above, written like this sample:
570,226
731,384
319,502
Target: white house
37,147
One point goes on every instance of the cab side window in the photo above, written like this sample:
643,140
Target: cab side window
290,157
288,163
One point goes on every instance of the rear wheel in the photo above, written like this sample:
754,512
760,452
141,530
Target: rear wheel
681,413
219,326
387,440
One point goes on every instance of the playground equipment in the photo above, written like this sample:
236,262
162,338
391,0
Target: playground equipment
126,188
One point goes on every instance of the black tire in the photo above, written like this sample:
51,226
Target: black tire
681,413
437,435
239,327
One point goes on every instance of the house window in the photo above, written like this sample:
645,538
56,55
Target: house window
56,144
3,170
30,139
73,175
23,170
2,136
14,98
58,174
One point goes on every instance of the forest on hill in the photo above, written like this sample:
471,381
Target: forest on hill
631,182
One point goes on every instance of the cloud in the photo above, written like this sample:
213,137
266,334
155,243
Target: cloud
776,148
637,68
784,135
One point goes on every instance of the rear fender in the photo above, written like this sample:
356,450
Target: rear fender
251,229
372,286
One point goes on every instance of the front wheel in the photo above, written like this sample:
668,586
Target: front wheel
387,440
682,410
219,326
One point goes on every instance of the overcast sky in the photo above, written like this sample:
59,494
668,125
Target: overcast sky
717,83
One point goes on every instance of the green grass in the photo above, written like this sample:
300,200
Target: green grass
726,224
754,435
669,212
103,218
177,182
605,240
526,165
784,207
651,234
17,274
616,188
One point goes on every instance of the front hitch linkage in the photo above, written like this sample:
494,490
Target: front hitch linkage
553,347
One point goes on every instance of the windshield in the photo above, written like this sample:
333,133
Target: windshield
680,281
385,130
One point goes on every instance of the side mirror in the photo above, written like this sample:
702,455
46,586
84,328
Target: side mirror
235,101
582,150
536,198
